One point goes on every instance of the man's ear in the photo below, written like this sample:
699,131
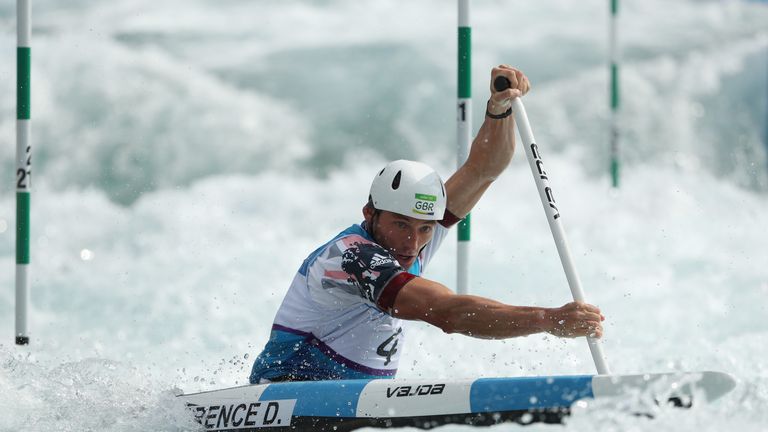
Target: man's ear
368,212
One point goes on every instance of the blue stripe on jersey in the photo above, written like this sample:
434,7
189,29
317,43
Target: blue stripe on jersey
320,398
302,357
495,394
415,268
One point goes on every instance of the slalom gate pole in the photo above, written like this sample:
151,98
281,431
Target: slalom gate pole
23,166
614,72
464,136
553,214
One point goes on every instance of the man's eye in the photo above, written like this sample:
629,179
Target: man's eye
426,229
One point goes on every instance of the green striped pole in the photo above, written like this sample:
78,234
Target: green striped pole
23,166
614,55
464,136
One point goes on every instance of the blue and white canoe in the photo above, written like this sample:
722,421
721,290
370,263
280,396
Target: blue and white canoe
350,404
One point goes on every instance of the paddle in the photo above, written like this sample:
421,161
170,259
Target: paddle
553,214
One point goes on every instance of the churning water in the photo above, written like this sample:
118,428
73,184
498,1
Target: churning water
189,154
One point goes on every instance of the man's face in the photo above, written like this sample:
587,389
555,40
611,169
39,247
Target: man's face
403,236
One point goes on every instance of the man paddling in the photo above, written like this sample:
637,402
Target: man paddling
343,315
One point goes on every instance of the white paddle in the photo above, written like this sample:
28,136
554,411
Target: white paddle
553,214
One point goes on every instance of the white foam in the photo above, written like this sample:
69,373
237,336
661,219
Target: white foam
182,279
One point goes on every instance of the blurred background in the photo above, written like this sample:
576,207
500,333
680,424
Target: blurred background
187,156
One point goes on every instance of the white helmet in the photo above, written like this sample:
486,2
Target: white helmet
409,188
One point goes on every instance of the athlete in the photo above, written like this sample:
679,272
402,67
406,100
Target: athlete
343,315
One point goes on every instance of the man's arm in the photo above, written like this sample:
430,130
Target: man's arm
492,148
429,301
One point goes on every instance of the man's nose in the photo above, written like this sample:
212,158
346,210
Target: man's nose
411,242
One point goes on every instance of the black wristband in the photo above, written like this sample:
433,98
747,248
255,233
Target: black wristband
505,114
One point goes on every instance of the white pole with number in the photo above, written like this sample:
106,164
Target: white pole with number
23,167
464,136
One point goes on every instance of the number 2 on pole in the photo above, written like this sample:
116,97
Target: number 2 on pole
22,176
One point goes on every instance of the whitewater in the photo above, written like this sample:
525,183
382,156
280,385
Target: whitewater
188,155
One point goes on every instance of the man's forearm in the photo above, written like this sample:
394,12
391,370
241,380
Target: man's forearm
484,318
493,147
432,302
490,154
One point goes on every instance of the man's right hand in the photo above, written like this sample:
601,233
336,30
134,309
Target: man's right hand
575,319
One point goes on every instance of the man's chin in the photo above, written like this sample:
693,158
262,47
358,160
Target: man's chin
406,264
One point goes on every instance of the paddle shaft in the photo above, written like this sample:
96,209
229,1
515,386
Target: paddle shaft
553,214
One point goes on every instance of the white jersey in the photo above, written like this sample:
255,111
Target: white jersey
335,321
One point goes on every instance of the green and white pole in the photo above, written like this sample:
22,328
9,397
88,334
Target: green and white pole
23,166
464,136
614,56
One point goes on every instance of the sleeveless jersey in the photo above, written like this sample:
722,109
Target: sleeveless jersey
335,321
